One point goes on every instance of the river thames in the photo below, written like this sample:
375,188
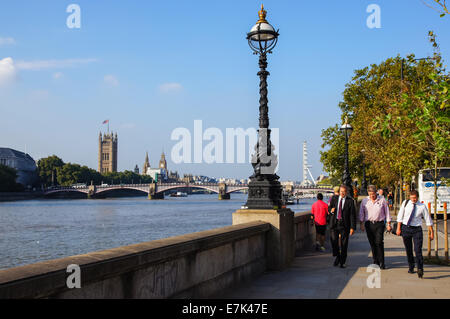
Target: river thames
38,230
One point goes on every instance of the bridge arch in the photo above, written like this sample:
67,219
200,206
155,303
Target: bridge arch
172,187
237,189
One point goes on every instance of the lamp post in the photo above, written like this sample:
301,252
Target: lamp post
346,178
265,190
364,181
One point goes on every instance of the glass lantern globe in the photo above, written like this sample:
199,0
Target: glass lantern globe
347,128
262,37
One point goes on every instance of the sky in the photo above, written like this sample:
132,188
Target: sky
150,67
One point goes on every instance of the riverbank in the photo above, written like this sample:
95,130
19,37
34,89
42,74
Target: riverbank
16,196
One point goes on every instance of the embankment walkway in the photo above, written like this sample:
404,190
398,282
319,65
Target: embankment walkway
312,275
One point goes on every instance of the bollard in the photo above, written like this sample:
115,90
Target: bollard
429,241
446,232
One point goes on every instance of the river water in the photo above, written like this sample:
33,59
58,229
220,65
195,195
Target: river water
38,230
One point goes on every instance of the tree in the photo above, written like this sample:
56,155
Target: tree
438,5
375,92
428,110
333,158
47,169
8,177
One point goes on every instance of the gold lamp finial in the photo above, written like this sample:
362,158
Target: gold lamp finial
262,15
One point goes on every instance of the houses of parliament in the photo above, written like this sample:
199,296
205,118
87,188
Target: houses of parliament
107,160
107,153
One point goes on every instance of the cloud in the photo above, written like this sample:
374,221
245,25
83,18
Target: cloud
7,41
111,80
52,64
8,71
170,87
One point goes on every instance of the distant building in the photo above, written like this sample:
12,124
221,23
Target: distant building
163,162
23,163
173,176
146,165
136,169
188,178
107,153
157,174
321,178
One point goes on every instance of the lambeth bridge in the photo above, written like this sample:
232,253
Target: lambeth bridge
157,190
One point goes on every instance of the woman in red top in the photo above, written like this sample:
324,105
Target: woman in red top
319,211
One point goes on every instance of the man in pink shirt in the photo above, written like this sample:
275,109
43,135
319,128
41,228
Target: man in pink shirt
373,214
319,211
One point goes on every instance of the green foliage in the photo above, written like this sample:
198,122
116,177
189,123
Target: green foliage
47,167
400,124
67,174
334,181
126,177
70,174
333,158
8,177
427,111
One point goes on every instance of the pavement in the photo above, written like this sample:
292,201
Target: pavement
312,275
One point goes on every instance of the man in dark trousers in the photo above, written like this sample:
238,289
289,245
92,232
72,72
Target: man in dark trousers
342,223
373,214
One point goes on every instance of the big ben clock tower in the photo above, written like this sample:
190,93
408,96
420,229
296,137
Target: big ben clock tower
163,162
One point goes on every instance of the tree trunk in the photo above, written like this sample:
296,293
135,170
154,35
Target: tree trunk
395,197
436,247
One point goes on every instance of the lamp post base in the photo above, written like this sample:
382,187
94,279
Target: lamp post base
280,239
264,194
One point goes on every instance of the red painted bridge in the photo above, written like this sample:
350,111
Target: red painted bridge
156,190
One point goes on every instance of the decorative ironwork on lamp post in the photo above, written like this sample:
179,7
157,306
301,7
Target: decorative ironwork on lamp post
346,178
265,190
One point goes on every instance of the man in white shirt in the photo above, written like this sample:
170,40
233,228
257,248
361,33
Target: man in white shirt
409,225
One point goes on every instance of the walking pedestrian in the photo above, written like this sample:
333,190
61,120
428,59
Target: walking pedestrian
390,200
409,226
319,211
373,213
381,192
336,193
342,223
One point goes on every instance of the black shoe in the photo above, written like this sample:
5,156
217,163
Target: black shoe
420,273
383,266
343,265
336,261
411,271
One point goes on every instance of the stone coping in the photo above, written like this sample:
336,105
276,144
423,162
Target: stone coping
50,276
302,217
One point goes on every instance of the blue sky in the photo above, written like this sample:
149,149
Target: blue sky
152,66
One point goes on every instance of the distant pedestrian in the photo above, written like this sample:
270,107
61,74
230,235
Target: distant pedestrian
380,192
409,226
390,200
336,193
355,192
373,213
342,224
319,211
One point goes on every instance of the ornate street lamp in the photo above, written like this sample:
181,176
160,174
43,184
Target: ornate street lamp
265,190
346,178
